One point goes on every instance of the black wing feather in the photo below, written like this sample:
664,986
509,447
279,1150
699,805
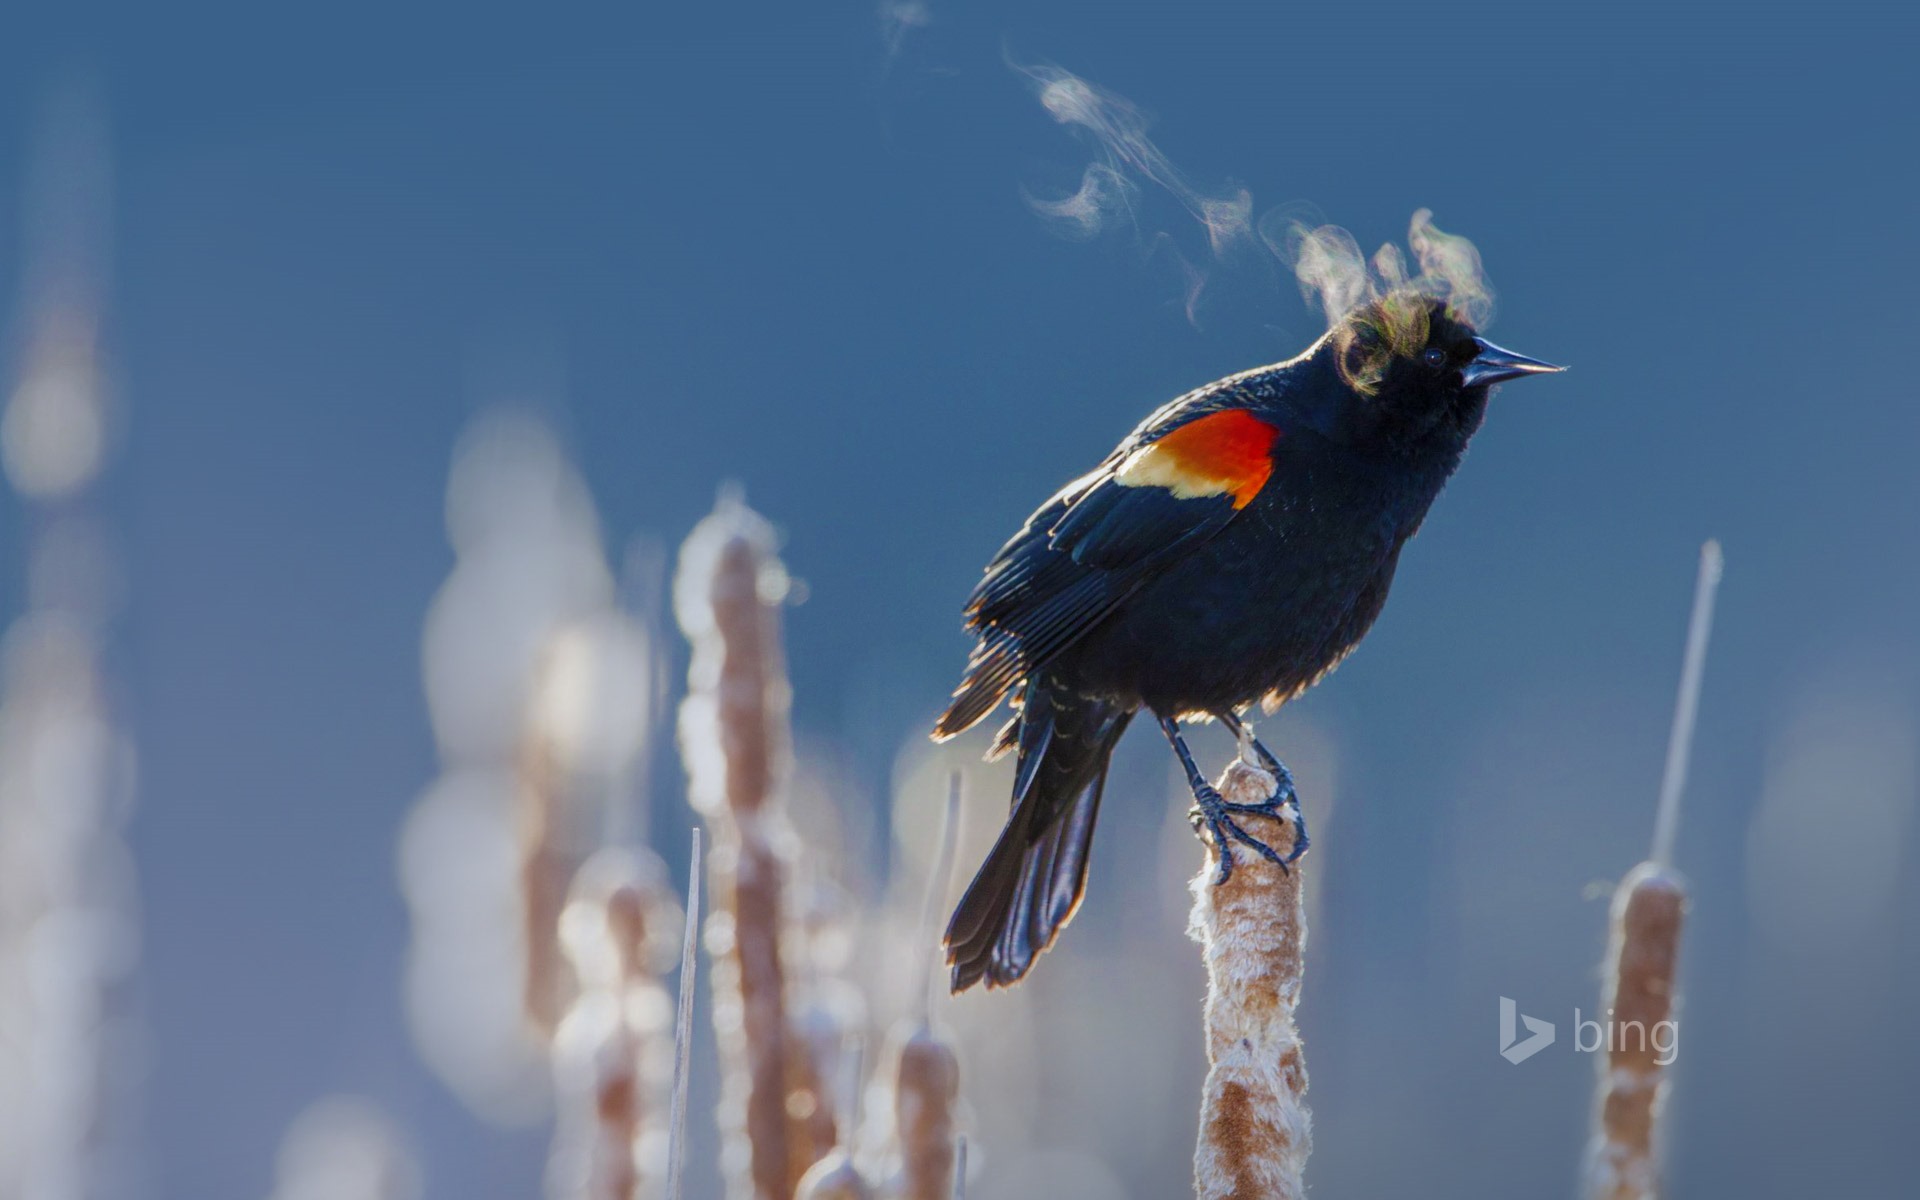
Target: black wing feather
1073,562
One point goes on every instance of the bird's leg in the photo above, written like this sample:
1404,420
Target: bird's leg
1243,730
1214,811
1283,795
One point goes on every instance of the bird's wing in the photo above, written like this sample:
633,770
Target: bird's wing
1174,483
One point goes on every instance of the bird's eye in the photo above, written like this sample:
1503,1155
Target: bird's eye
1434,357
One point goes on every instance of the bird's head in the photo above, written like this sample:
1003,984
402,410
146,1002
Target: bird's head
1416,368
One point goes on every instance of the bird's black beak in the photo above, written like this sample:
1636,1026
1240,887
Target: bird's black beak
1494,365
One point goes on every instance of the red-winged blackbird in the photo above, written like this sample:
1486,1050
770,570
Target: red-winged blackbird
1235,547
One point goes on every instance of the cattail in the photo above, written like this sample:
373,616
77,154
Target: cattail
1255,1130
1643,954
834,1178
1644,947
613,1062
544,871
344,1148
926,1084
583,733
530,673
925,1091
827,1014
837,1176
735,742
69,903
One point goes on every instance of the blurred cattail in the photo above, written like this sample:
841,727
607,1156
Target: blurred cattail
837,1175
69,912
1255,1130
585,730
926,1090
1643,952
343,1148
834,1178
826,1013
613,1056
1644,947
926,1086
546,862
538,687
736,745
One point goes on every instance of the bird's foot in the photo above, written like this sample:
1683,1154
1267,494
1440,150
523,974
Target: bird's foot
1217,814
1284,806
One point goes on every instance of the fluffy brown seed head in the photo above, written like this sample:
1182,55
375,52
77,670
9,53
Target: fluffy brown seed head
1255,1129
1649,910
734,739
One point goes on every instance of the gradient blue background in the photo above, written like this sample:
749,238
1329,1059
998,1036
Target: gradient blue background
736,241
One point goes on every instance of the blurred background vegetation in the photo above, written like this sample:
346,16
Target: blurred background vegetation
365,366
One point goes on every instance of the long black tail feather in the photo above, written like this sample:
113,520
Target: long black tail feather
1033,879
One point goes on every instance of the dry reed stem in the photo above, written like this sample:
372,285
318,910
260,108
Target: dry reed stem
1255,1130
683,1028
1673,780
735,742
1649,910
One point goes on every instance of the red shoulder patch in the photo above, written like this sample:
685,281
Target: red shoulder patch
1227,452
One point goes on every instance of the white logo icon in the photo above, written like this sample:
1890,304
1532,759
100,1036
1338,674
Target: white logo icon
1539,1033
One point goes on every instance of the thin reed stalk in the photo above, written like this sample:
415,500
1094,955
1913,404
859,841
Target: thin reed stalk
1255,1130
683,1028
735,742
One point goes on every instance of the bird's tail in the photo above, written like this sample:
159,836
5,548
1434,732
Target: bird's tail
1034,877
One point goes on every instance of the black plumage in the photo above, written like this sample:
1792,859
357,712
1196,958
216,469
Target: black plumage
1233,548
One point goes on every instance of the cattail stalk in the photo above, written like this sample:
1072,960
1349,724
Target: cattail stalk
611,1057
1255,1130
735,742
837,1176
926,1087
1643,953
545,872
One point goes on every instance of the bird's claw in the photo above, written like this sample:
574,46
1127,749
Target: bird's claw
1217,814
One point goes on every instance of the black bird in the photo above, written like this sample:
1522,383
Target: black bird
1233,548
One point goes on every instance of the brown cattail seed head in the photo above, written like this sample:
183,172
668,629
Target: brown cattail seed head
926,1089
834,1178
1255,1130
1649,910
